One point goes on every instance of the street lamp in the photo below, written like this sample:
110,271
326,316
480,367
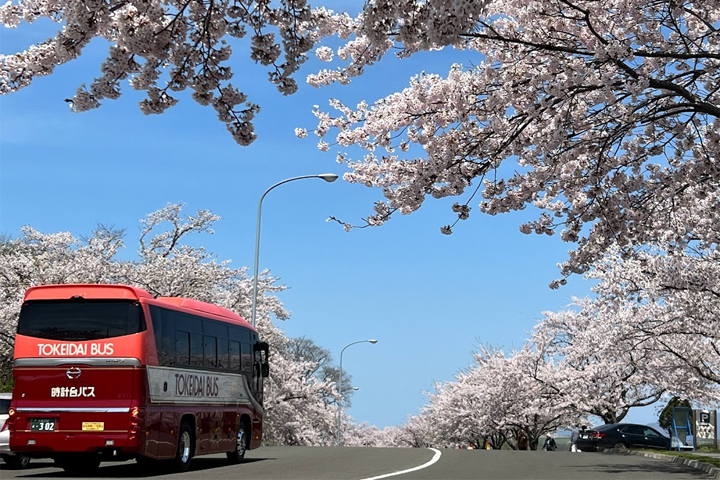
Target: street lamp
328,177
340,378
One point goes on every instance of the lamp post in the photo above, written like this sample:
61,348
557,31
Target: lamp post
340,379
328,177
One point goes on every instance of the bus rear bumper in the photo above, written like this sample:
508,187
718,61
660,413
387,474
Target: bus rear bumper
48,444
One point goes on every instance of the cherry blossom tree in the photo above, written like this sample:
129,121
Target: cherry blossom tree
493,400
298,405
530,406
604,116
164,47
649,331
319,362
417,432
601,367
673,298
366,435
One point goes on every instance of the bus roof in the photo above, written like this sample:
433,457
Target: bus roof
120,292
84,290
203,307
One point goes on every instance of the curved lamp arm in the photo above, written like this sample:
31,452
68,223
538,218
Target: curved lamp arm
339,412
328,177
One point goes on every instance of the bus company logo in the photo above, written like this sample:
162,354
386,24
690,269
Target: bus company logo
75,349
193,385
72,392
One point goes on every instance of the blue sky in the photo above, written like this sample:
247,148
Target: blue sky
428,298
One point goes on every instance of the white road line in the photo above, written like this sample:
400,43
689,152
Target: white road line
435,458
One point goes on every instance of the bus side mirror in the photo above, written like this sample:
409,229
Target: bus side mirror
265,370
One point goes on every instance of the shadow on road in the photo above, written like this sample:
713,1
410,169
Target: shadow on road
628,471
128,469
34,465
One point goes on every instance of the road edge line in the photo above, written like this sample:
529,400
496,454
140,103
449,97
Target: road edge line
435,458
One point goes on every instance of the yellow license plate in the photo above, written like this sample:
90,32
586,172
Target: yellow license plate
93,426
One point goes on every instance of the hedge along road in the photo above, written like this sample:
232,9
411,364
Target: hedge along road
318,463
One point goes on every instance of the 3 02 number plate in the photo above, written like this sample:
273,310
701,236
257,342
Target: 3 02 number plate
42,424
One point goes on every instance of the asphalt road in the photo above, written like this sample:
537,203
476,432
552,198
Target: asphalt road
308,463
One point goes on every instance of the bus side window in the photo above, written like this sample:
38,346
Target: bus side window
164,335
234,356
222,354
216,348
167,340
196,350
182,347
246,358
210,349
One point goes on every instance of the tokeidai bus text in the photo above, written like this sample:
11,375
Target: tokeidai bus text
191,385
75,349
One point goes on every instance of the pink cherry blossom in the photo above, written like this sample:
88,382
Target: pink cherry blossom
604,116
164,47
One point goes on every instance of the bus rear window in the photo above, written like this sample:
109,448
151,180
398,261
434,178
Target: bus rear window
80,320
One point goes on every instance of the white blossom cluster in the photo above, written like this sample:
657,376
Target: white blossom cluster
605,116
164,47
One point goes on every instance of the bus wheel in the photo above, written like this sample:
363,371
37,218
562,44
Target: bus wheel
16,461
238,455
184,449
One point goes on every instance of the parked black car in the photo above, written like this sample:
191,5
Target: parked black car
621,435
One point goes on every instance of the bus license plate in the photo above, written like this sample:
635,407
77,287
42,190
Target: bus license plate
42,424
93,426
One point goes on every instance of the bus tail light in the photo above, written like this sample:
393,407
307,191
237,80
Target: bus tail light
10,422
134,422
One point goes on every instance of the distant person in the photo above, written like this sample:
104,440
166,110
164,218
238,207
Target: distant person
574,435
549,444
522,443
488,446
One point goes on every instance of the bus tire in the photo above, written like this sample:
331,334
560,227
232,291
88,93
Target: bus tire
238,454
16,461
184,448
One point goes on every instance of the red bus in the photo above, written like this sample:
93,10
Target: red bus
109,372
